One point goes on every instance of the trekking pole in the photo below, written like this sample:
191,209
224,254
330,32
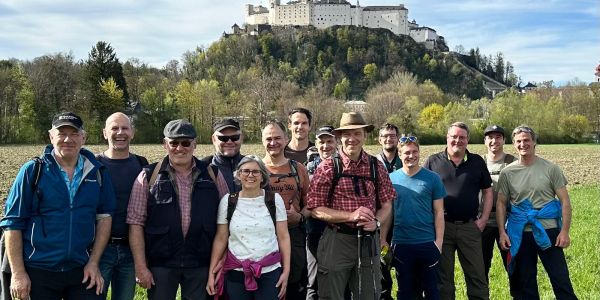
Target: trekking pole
372,253
359,235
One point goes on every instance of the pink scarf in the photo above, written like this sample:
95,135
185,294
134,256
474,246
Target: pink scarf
251,269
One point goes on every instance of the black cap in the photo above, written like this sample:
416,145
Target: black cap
325,129
493,128
67,119
226,123
178,129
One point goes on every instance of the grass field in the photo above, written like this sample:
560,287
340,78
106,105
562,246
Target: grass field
581,164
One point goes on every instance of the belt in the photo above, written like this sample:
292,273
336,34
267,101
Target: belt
459,221
123,240
346,229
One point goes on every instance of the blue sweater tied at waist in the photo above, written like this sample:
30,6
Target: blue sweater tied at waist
524,214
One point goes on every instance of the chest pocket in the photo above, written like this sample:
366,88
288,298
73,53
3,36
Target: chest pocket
163,192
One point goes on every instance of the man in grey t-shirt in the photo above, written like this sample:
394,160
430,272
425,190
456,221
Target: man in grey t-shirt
532,185
496,160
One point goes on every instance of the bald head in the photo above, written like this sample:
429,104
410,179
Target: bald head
118,131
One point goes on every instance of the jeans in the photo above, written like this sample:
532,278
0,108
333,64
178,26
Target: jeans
234,285
116,266
416,270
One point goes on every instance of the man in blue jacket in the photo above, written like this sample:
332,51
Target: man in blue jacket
55,216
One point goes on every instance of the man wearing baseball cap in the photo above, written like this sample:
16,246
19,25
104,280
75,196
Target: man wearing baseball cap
496,160
172,215
353,202
59,206
227,138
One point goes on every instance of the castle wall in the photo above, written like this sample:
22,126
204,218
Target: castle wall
297,14
327,15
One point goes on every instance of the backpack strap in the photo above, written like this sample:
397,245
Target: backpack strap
142,160
269,202
337,174
211,172
374,177
231,204
154,174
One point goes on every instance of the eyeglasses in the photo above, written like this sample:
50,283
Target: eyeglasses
184,143
406,139
247,172
225,138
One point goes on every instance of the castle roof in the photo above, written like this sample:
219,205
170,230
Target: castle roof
380,8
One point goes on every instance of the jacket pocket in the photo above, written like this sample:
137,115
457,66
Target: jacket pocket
157,241
164,192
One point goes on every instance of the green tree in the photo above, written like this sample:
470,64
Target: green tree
575,127
431,119
342,89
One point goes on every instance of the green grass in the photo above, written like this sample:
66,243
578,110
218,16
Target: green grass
583,256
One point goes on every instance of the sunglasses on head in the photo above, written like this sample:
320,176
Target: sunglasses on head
406,139
184,143
225,138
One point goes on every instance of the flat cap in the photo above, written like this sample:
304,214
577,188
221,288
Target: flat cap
178,129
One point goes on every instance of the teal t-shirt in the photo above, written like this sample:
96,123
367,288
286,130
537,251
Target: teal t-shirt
413,208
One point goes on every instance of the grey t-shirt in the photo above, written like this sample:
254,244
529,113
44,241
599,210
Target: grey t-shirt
537,182
494,167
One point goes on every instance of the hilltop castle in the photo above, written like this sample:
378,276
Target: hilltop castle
327,13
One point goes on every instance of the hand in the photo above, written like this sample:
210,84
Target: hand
361,214
368,225
481,223
293,217
92,273
563,240
144,277
20,286
505,241
282,284
211,288
383,243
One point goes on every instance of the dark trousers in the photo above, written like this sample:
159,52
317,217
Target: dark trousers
296,289
167,280
235,288
48,285
312,242
465,239
524,278
416,270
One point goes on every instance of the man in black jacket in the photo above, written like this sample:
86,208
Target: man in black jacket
172,215
227,138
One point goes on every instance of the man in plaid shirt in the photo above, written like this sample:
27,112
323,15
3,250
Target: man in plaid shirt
354,213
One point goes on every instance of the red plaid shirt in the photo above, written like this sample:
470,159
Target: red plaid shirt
345,196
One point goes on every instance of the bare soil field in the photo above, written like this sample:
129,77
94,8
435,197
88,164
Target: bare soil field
581,163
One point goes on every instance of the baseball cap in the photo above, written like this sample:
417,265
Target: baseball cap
493,128
67,119
180,128
226,123
325,129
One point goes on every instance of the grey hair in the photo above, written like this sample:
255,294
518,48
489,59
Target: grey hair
527,129
264,174
461,125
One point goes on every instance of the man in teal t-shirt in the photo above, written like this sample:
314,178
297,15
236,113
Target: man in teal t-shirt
418,230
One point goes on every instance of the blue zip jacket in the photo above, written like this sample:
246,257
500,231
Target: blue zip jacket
523,214
58,234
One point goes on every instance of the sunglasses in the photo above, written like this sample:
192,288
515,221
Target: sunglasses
406,139
247,172
522,129
225,138
184,143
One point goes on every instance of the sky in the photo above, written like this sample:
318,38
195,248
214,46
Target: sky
543,39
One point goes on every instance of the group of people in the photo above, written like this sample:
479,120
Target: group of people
322,220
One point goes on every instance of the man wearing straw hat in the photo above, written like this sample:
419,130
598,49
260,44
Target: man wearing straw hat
352,192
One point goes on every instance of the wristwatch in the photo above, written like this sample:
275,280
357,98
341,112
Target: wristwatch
378,223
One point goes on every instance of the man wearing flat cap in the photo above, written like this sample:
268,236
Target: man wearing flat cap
352,192
172,215
496,159
227,138
59,207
